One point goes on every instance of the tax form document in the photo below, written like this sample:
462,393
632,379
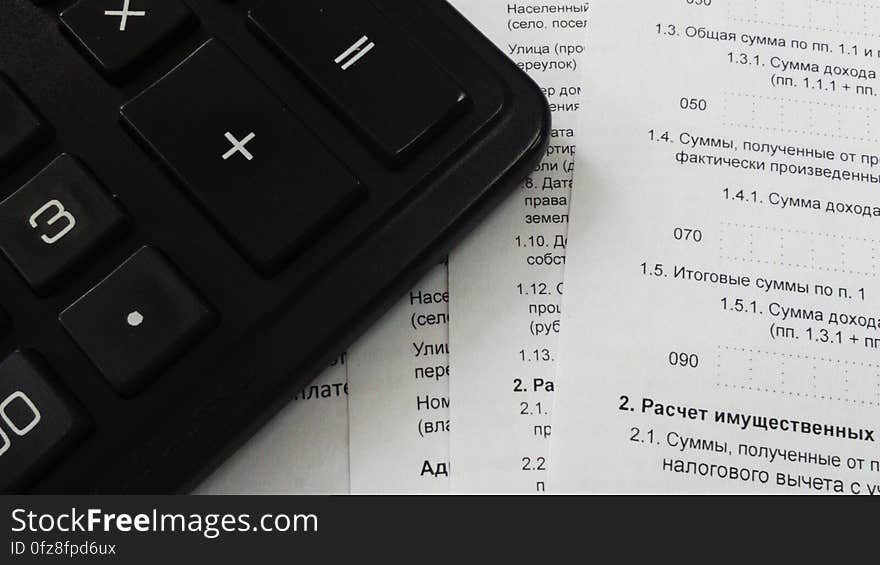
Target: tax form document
722,292
399,396
302,450
506,280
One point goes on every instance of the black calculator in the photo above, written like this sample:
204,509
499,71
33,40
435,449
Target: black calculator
202,202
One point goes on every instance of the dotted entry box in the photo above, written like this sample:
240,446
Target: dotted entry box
815,377
749,244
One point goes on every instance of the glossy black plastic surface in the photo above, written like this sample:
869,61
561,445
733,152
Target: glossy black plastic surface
22,128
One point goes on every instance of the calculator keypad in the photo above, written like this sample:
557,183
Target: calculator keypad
267,182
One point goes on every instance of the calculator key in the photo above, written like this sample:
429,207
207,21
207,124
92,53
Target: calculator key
21,129
138,321
262,176
39,422
368,69
55,221
118,33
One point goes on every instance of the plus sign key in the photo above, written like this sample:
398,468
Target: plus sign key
119,33
265,179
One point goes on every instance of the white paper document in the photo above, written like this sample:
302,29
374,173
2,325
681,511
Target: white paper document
399,396
302,450
723,274
506,279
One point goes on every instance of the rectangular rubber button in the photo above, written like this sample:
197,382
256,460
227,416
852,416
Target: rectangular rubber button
137,321
368,69
254,167
39,422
